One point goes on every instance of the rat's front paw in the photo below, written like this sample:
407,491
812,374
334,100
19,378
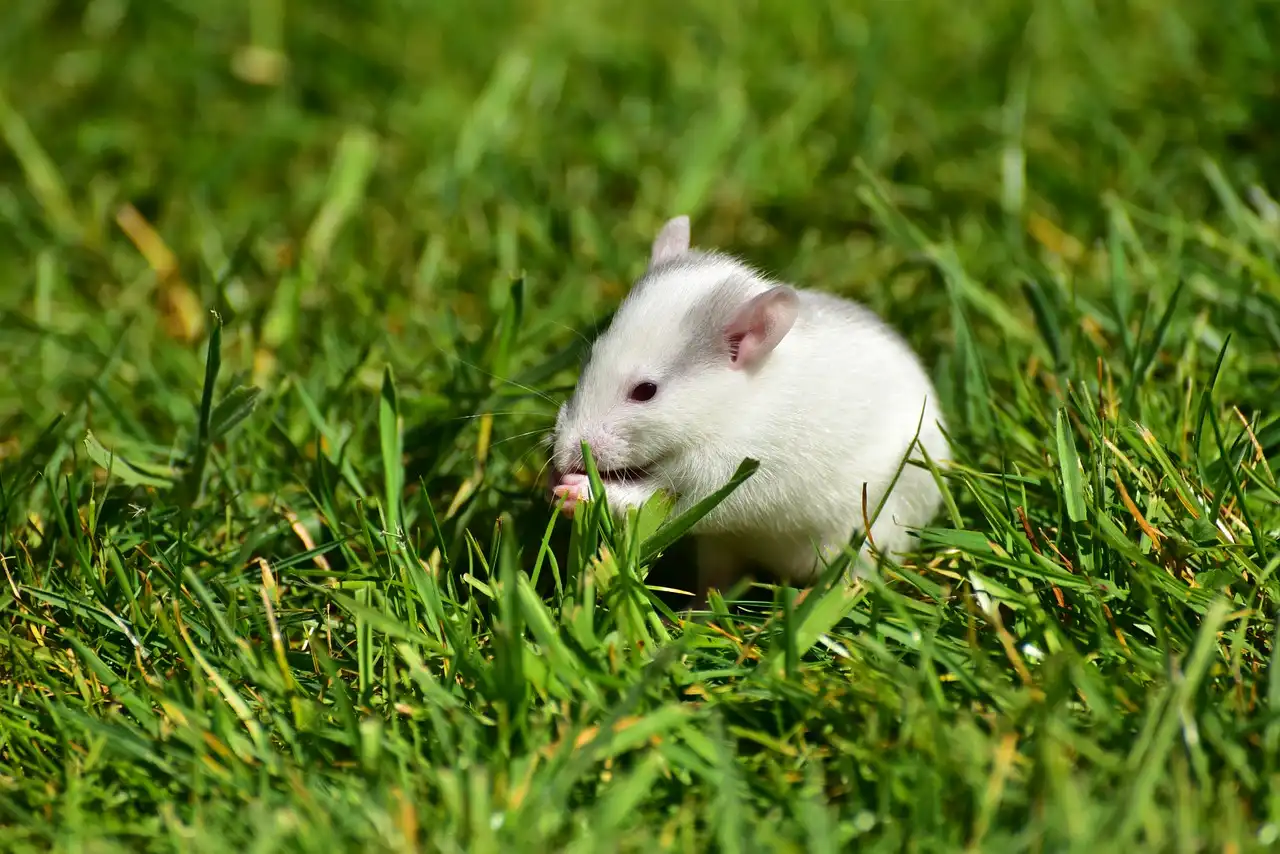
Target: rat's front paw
573,488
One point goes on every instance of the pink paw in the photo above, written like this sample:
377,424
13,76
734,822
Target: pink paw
572,488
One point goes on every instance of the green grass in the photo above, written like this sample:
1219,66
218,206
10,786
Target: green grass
330,614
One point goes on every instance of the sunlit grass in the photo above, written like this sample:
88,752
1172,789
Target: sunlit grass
289,295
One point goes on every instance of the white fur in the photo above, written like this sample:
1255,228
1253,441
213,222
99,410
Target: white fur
834,406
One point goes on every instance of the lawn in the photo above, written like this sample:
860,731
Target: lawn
289,293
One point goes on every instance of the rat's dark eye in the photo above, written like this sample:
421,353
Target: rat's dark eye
643,391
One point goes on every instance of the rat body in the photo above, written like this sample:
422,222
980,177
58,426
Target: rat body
706,362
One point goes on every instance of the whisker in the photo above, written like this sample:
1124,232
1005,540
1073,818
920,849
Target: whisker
574,330
503,412
542,470
453,357
517,436
520,463
520,386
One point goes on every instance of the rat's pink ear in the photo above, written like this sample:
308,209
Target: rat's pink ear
758,326
671,241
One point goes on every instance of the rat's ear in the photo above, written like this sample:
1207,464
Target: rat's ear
671,241
759,324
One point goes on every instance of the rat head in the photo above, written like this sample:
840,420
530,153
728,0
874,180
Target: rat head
674,372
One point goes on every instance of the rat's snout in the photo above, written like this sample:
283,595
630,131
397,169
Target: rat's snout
605,447
569,451
565,454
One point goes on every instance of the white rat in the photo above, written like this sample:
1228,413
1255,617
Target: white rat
707,362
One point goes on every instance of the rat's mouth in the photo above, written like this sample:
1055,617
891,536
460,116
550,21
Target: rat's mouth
625,475
628,474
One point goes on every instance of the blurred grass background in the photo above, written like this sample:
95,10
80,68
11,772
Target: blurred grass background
1067,206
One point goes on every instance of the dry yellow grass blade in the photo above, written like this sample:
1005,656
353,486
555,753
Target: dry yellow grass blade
181,313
